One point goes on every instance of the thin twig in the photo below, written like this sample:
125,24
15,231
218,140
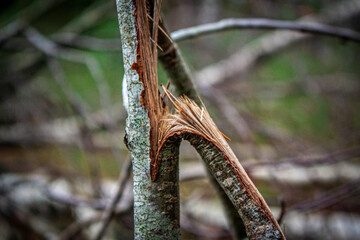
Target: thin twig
329,198
220,26
87,42
25,17
90,16
52,49
110,211
75,100
75,201
86,136
282,211
85,20
75,228
232,115
309,161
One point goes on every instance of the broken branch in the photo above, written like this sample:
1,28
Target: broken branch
222,163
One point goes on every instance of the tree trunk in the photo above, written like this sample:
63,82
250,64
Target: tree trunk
156,204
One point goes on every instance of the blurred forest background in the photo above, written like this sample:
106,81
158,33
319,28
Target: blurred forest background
289,101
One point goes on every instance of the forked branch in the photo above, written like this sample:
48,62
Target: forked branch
194,124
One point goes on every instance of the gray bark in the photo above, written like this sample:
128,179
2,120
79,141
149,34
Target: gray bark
156,204
258,224
180,76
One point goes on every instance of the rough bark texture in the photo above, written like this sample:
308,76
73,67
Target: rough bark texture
233,218
156,204
165,191
194,123
180,76
258,225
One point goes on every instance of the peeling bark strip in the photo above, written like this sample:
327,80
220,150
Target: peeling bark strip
156,204
146,67
195,125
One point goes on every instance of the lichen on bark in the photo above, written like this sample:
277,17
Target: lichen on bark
194,124
156,204
257,222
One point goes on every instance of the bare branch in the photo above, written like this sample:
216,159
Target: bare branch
75,201
63,131
240,126
175,66
75,228
195,125
309,161
86,42
88,17
247,56
75,100
111,209
215,27
330,198
84,21
262,23
50,48
25,18
86,137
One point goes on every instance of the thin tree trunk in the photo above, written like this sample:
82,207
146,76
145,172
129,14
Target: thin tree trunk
156,204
